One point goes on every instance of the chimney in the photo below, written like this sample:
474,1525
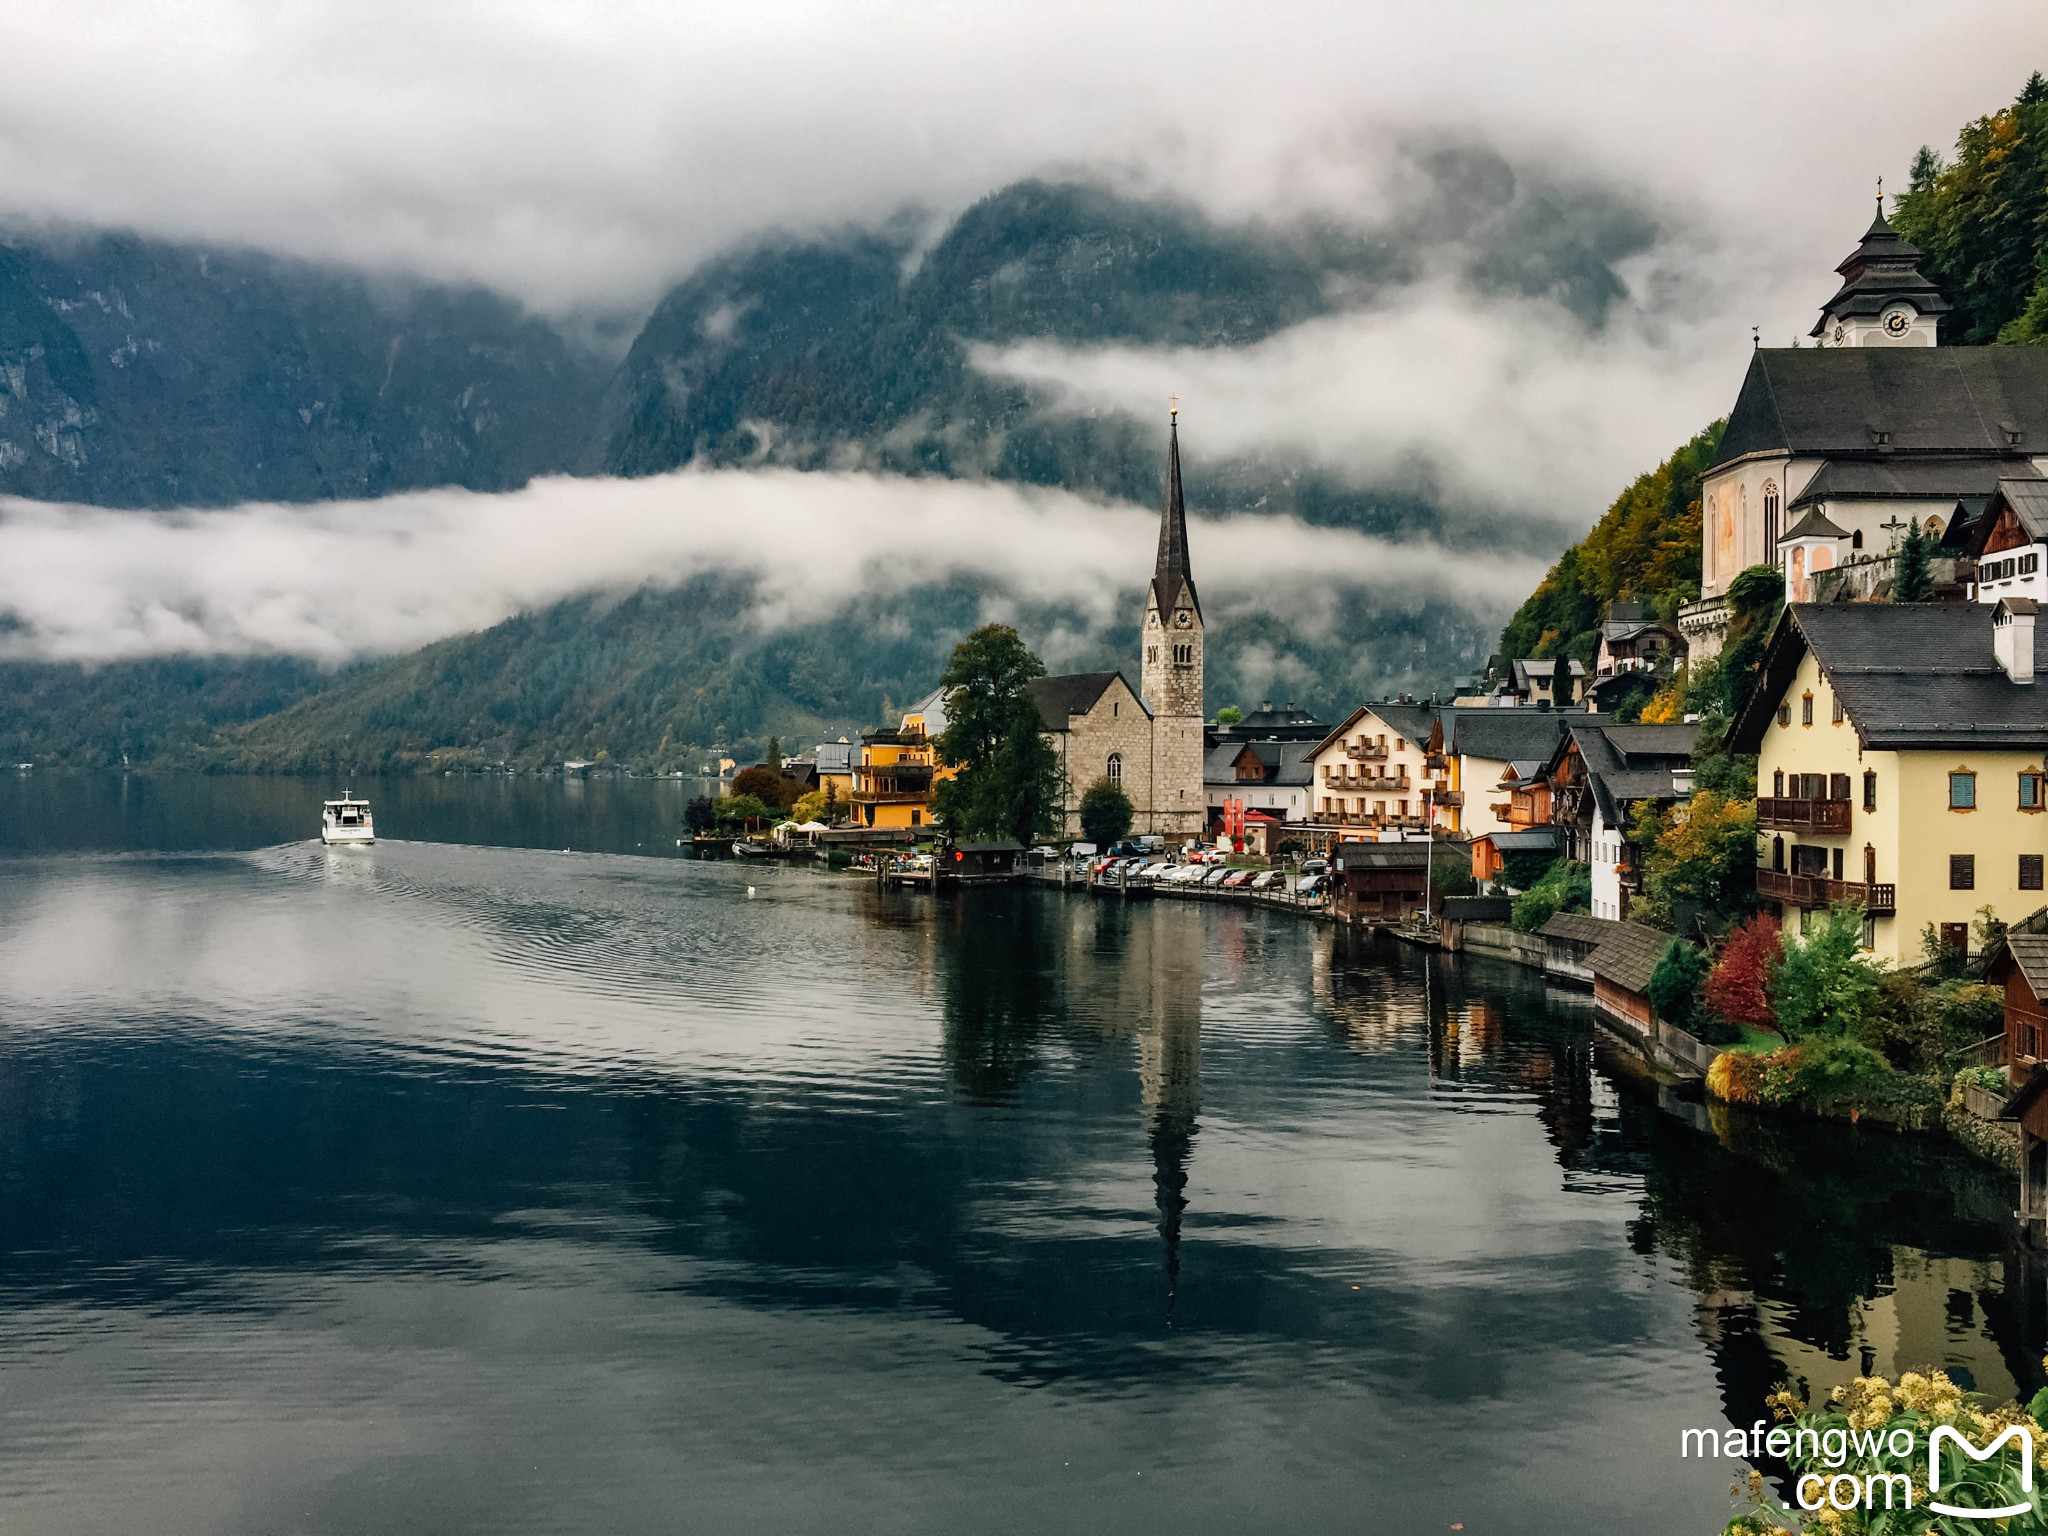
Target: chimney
2012,637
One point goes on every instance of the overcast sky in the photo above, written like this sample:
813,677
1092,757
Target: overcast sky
583,156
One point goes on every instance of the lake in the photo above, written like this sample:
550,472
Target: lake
463,1183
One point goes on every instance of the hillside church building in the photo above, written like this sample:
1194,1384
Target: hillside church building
1146,740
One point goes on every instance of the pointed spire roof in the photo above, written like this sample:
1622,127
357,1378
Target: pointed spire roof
1882,269
1172,571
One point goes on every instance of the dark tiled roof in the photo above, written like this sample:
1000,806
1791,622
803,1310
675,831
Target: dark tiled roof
1505,735
1073,694
1380,855
1909,675
1905,479
1628,956
2029,952
1578,928
2028,500
1282,761
836,756
1813,525
1511,842
1931,400
1477,909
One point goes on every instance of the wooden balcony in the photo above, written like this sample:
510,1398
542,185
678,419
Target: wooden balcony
1778,815
1366,754
1450,799
1819,891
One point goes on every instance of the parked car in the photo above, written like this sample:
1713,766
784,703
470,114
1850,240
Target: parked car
1218,873
1315,866
1308,885
1264,878
1236,878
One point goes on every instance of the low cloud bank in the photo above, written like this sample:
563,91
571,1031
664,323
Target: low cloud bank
340,580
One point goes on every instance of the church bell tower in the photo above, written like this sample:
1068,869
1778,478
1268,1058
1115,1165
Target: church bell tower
1884,301
1171,673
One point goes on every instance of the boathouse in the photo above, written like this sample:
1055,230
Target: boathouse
2020,965
1622,967
1570,939
1379,882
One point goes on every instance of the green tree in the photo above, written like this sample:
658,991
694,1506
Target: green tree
1700,854
744,811
1230,714
1106,813
1008,779
1567,887
1912,583
774,755
814,806
1676,986
1823,985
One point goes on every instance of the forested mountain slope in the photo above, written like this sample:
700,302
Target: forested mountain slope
139,374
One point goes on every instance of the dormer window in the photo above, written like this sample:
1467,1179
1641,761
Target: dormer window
1879,438
2014,436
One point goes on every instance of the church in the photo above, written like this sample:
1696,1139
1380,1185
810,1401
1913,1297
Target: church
1147,740
1830,449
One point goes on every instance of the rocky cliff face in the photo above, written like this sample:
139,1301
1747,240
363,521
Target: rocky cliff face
138,374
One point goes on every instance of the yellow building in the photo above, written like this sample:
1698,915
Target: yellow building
894,771
1899,765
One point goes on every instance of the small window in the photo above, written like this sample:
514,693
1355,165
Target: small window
1962,790
1115,768
1806,709
1839,716
1838,786
1869,929
1856,542
1778,783
1784,714
1778,854
1837,861
2030,871
2030,790
1869,790
1962,871
1813,786
1116,708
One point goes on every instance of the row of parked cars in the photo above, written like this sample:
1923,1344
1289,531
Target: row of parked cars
1205,870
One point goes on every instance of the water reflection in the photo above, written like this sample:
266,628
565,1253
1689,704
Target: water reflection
598,1179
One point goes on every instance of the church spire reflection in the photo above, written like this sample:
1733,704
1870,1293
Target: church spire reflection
1167,952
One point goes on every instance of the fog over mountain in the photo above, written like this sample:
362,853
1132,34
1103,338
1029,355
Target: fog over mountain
1429,288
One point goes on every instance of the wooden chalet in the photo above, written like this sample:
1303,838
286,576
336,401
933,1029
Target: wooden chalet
1379,882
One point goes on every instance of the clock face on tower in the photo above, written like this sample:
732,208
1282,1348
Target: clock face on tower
1183,620
1896,322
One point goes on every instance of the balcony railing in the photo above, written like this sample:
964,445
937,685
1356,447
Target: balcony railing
1366,753
1450,799
1820,891
1802,815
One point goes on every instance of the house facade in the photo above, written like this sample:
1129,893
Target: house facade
1900,759
1384,770
1599,775
1269,777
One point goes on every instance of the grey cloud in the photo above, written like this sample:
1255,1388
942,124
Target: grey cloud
344,579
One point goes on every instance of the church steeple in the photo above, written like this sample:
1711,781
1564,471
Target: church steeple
1884,300
1172,572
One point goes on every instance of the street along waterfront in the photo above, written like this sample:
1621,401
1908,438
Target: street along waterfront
536,1190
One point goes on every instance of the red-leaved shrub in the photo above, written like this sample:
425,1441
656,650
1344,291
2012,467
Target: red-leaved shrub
1739,988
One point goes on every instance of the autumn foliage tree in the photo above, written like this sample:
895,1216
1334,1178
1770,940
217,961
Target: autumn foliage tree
1739,988
767,786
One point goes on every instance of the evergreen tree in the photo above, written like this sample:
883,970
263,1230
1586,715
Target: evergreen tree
1106,813
1008,779
1912,583
774,756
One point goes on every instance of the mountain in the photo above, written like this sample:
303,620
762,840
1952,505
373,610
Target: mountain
140,374
148,375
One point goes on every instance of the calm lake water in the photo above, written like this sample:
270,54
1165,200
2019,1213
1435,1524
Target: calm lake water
443,1186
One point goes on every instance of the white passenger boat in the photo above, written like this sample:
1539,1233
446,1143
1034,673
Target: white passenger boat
346,820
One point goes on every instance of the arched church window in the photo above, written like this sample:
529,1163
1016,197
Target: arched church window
1115,768
1771,528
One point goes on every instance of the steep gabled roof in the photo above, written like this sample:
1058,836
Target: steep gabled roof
1578,928
1909,675
1506,735
1628,956
2028,501
1073,694
1828,401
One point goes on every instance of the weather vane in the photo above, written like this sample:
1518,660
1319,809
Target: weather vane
1880,194
1173,405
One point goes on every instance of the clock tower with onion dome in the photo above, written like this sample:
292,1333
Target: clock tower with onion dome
1884,301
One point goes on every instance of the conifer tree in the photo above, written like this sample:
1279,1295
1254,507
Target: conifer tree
1911,582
